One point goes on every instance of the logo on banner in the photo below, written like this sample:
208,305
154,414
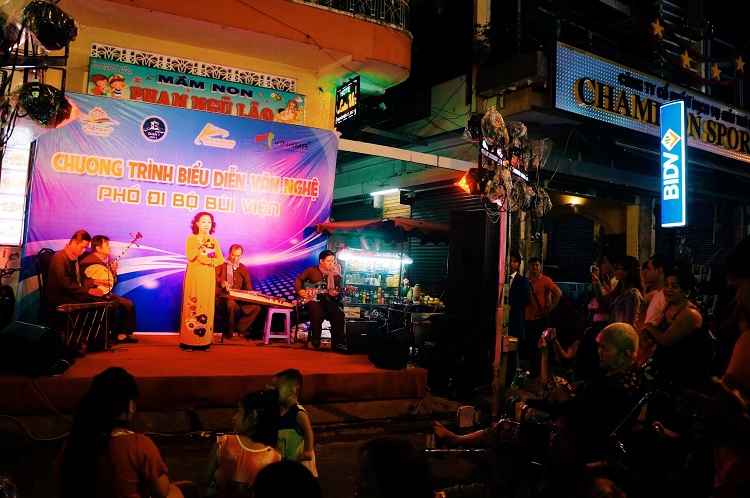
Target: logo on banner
266,140
97,123
213,136
154,128
673,165
670,139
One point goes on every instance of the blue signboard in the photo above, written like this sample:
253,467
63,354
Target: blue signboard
673,161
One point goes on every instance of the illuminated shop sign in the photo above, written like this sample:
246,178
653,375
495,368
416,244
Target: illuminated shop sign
599,89
347,101
673,160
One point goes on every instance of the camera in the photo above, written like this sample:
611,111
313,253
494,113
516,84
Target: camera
593,269
545,334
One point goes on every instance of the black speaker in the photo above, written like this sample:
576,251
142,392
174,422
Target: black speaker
392,350
473,255
458,354
32,350
360,336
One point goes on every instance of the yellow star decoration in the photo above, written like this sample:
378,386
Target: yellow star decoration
686,60
657,29
739,65
715,71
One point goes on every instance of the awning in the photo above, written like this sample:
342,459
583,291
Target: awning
391,229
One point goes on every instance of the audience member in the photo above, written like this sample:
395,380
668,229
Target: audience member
683,349
103,457
545,295
625,299
295,434
582,354
654,277
286,479
611,398
603,276
236,459
725,327
607,400
519,296
726,415
393,468
608,275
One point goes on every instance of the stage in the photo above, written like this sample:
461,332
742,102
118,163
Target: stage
171,379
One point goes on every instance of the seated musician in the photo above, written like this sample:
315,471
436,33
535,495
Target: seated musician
96,266
234,275
320,287
65,283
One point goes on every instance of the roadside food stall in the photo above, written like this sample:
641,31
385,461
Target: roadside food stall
374,260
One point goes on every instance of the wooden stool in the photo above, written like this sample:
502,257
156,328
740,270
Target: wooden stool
286,334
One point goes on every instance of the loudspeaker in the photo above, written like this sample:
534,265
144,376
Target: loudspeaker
33,350
459,352
360,336
472,265
392,350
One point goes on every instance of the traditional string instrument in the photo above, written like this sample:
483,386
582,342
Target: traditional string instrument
104,270
319,289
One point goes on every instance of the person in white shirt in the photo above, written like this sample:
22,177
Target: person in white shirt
654,278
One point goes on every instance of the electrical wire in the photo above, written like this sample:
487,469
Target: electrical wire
463,83
28,433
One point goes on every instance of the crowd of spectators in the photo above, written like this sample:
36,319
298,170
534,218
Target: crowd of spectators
645,392
644,410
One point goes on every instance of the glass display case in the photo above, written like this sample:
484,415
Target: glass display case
375,275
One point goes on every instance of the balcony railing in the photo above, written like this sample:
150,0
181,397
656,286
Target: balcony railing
395,12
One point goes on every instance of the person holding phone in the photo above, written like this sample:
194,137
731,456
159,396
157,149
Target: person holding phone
625,299
603,281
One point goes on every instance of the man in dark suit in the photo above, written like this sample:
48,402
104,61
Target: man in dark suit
234,275
519,296
66,283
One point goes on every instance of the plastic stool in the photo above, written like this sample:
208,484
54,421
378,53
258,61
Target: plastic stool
286,334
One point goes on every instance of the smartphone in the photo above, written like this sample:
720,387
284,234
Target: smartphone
545,334
593,269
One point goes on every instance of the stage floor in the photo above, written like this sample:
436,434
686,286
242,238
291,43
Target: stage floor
172,379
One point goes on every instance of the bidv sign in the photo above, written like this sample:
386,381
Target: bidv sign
673,165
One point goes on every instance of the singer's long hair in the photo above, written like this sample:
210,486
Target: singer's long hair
194,222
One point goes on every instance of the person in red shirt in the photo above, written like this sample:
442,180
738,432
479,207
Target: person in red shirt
545,295
103,457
